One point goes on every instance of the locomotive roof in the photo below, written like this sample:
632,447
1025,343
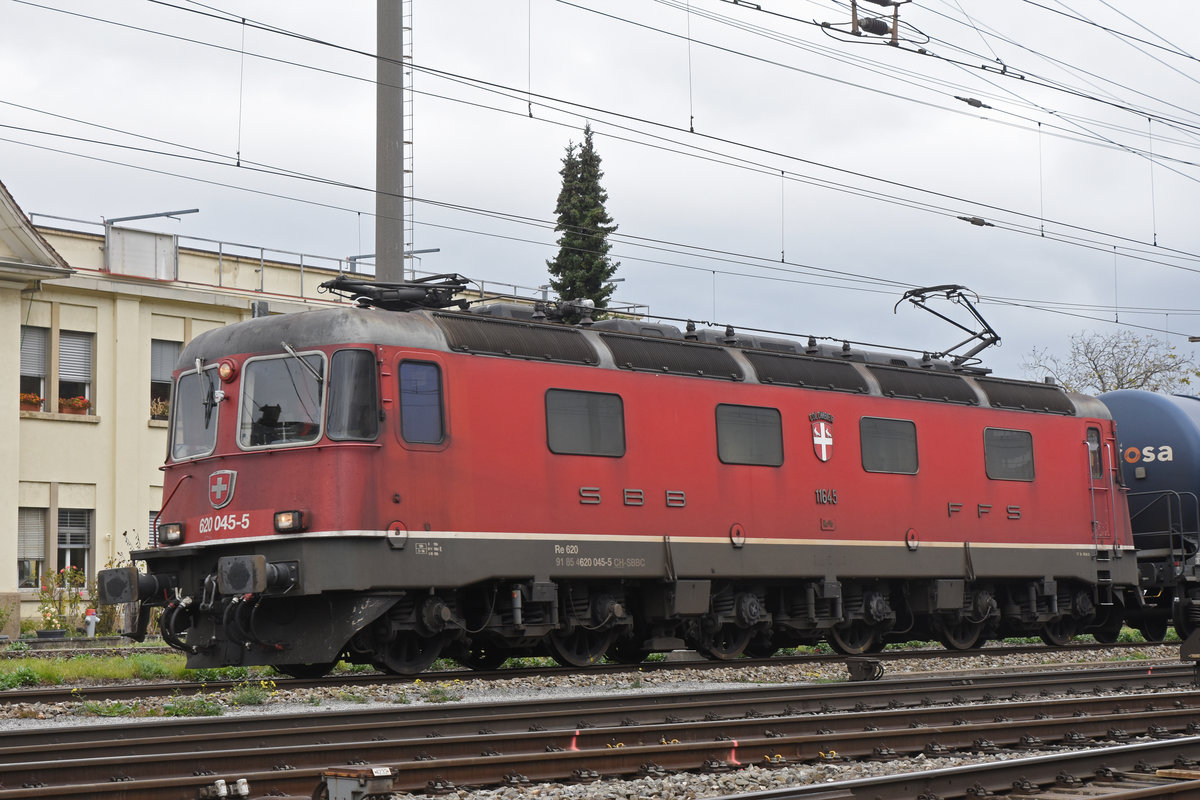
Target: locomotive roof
637,346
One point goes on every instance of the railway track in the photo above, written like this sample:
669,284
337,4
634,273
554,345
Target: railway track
1160,769
438,746
139,691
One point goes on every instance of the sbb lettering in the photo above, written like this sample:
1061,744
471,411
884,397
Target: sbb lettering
591,496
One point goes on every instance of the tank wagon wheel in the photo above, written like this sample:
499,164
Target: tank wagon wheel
854,638
1153,629
312,670
961,635
726,643
410,653
1059,632
1181,615
580,647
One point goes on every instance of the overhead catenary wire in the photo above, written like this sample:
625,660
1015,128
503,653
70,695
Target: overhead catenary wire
779,171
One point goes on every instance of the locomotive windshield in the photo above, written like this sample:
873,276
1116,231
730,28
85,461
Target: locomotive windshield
193,425
282,400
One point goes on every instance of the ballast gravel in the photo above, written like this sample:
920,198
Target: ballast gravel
261,695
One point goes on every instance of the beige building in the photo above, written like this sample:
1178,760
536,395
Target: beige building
102,316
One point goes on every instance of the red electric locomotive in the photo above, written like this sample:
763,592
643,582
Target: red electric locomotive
393,482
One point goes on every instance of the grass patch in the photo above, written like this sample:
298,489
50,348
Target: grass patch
196,706
437,692
249,693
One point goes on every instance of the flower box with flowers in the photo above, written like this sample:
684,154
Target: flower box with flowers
30,402
159,409
73,405
60,600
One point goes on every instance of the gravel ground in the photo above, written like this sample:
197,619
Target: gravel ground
259,696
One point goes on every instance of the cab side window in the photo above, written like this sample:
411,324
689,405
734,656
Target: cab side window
353,396
422,417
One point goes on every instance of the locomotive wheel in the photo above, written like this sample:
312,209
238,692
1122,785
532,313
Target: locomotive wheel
854,638
1059,632
628,650
483,657
1110,629
726,643
315,670
762,647
410,653
580,647
961,635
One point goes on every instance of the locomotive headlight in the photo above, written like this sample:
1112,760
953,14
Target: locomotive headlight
170,533
226,370
290,521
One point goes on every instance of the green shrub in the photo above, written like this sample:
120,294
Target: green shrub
21,676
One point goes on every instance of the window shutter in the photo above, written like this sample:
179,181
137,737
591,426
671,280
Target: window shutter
31,534
163,355
33,351
153,530
74,527
75,356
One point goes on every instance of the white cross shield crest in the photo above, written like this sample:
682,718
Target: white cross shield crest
823,439
220,487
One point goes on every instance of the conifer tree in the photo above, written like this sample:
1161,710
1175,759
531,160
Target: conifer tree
582,268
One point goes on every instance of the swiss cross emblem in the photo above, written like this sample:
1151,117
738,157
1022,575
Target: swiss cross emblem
220,487
822,432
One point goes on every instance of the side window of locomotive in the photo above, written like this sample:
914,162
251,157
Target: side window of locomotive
749,435
282,401
585,423
888,445
353,396
1007,454
1094,455
421,416
194,421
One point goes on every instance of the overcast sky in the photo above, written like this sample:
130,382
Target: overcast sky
764,171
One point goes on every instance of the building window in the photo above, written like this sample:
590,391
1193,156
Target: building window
749,435
585,423
33,360
421,420
31,547
889,445
75,366
74,538
163,355
1008,455
152,538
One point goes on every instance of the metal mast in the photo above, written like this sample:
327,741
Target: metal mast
390,205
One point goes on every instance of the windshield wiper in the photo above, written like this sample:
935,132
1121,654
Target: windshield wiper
209,400
292,352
